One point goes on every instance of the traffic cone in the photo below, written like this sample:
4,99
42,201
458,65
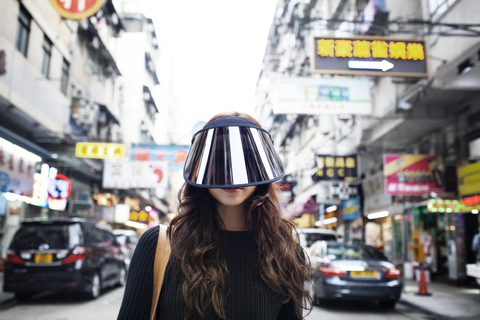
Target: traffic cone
422,285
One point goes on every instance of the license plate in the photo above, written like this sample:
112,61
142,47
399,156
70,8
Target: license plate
364,274
43,258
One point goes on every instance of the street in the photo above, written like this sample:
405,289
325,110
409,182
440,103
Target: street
56,306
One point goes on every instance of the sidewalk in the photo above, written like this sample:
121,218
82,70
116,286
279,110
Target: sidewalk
446,301
4,296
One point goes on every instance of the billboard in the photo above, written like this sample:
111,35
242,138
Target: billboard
175,156
336,168
413,174
135,174
321,96
373,56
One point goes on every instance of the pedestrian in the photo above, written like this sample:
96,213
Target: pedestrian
476,244
233,255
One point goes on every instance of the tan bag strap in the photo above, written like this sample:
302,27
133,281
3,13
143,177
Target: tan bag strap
162,254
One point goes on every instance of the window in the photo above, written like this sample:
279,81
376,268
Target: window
23,30
47,56
64,78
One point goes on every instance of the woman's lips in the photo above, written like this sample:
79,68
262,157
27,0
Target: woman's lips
233,190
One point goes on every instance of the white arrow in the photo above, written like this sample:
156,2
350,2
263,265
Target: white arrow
383,65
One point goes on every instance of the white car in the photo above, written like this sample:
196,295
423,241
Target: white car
308,236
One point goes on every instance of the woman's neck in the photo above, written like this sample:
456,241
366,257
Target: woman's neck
233,217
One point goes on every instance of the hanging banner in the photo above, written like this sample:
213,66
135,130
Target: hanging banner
469,179
98,150
135,174
77,9
175,156
351,209
412,174
336,168
321,96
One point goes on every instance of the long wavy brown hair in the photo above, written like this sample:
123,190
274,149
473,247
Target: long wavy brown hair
195,235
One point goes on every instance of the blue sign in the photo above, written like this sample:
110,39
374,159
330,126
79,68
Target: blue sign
174,155
351,209
3,205
4,180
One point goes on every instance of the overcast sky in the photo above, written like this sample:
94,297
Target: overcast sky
217,48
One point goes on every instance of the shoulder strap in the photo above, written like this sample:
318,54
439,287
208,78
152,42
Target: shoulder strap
162,254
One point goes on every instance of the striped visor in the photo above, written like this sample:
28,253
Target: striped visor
232,152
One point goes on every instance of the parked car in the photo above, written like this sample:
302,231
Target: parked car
308,236
63,254
354,271
128,241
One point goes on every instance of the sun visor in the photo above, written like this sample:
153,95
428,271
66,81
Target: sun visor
232,152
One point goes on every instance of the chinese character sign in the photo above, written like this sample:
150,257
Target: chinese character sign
370,56
98,150
336,168
16,169
135,174
469,179
412,174
175,156
76,9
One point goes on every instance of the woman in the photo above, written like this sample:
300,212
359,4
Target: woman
233,253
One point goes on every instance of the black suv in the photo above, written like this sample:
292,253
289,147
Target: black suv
63,254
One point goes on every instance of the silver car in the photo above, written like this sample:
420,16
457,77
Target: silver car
354,271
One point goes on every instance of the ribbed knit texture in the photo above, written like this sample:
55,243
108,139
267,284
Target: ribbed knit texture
249,297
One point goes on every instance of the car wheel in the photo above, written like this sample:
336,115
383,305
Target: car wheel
122,277
22,296
388,304
96,287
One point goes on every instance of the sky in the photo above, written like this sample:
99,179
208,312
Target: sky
217,49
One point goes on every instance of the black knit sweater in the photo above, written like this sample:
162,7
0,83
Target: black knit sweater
249,297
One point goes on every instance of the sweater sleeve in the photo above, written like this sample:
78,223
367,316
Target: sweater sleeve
137,298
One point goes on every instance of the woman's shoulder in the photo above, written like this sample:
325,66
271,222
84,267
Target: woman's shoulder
148,240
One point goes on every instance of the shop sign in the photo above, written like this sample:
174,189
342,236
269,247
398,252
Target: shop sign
412,174
77,9
98,150
373,184
469,179
351,209
175,156
374,56
471,201
336,168
135,174
447,205
321,96
17,167
142,216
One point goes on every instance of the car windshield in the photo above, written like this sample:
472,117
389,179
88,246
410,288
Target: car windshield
50,236
348,252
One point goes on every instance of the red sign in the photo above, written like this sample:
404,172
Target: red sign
60,187
471,201
77,9
413,174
